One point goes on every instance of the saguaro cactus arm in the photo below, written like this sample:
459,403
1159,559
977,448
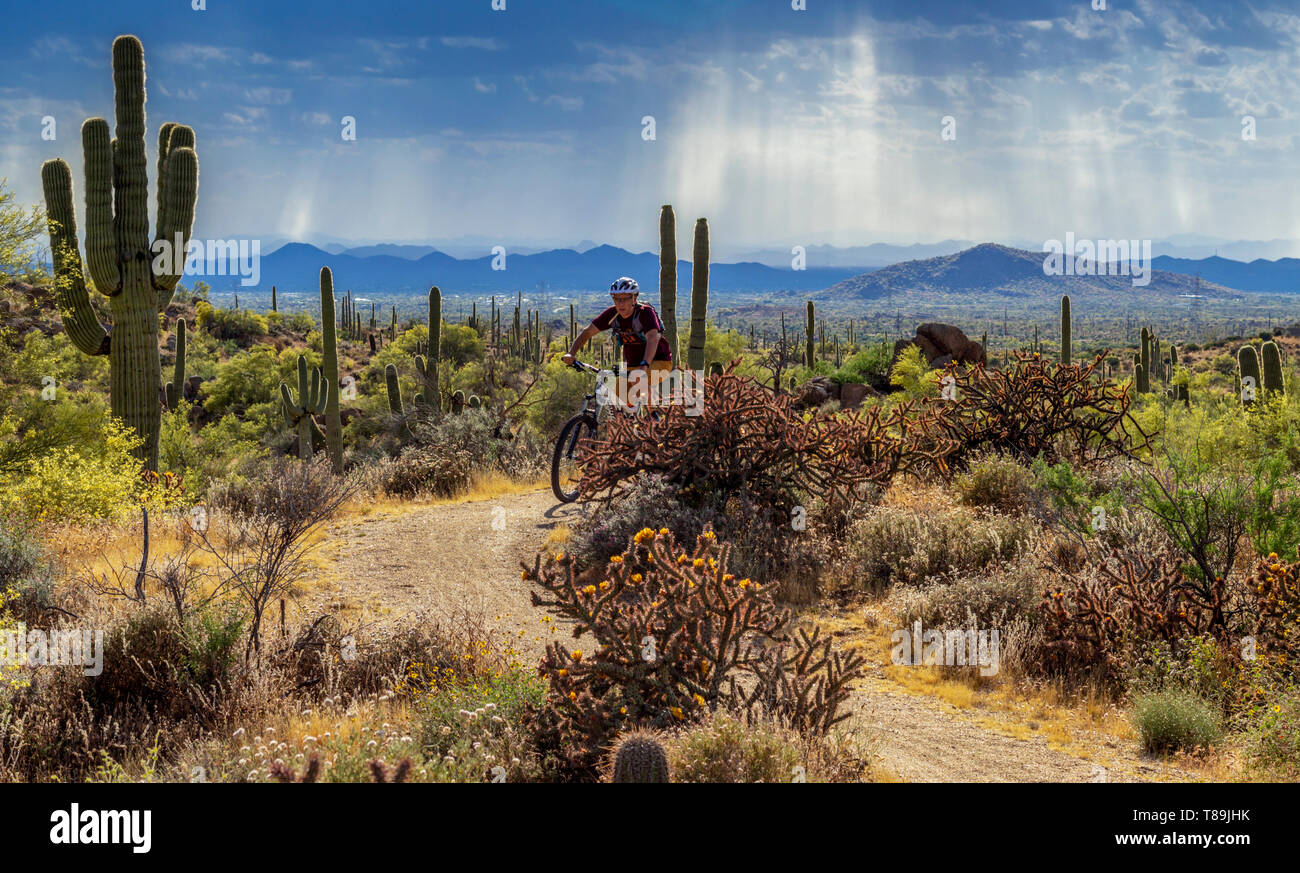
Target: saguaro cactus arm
79,318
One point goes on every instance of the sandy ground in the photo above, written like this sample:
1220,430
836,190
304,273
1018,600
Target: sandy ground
437,558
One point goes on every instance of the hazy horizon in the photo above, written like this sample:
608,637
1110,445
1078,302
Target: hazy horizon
782,127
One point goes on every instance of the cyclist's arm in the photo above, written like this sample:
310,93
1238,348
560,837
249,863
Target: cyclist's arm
581,340
651,344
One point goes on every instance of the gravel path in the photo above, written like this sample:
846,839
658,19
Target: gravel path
440,557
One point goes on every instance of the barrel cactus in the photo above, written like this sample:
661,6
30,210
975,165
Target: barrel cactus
699,295
640,757
120,256
298,409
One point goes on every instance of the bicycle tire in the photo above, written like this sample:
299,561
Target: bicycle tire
566,448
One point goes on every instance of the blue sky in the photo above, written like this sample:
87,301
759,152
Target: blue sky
782,127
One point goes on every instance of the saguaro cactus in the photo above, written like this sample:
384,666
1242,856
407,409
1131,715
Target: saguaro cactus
1248,365
175,389
1065,329
274,304
330,371
1142,379
1146,352
1271,374
809,358
298,411
667,277
118,248
394,390
699,294
429,369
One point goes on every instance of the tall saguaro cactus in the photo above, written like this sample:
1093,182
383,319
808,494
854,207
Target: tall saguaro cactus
699,294
330,371
809,357
667,277
298,411
1066,338
118,246
428,370
175,389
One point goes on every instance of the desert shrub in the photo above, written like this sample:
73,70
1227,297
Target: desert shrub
26,572
427,471
1273,741
100,479
676,636
911,372
989,601
893,545
870,365
995,482
1171,721
726,749
241,325
558,397
488,443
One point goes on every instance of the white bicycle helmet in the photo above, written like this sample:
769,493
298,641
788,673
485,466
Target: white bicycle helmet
623,285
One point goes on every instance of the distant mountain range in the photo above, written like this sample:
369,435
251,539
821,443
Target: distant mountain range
296,266
1280,277
991,269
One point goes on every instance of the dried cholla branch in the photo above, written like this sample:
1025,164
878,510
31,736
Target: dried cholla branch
750,441
1026,410
1112,607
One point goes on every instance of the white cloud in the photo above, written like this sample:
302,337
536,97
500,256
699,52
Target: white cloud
486,43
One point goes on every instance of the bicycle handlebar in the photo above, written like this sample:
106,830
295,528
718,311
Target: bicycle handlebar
579,365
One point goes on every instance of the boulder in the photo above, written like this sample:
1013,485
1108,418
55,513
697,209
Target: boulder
852,394
942,343
815,392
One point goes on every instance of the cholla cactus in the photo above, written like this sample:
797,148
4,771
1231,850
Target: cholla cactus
639,757
119,253
298,411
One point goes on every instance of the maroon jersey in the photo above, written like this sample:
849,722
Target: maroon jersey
629,333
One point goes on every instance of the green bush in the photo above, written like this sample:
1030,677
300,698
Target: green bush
26,572
1176,720
996,482
242,326
898,545
1273,742
725,749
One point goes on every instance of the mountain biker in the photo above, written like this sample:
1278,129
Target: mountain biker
636,328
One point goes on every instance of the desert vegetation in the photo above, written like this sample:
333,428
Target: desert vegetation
1126,520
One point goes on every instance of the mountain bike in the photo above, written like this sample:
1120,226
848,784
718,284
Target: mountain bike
565,468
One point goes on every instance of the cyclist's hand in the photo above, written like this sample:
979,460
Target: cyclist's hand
568,359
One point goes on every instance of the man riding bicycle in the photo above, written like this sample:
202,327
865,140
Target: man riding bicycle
636,328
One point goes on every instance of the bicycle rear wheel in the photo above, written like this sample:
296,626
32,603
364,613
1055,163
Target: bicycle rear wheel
565,472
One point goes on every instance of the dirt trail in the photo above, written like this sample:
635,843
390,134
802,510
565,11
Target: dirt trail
437,558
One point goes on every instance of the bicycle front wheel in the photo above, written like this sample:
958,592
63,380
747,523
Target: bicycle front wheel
565,471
